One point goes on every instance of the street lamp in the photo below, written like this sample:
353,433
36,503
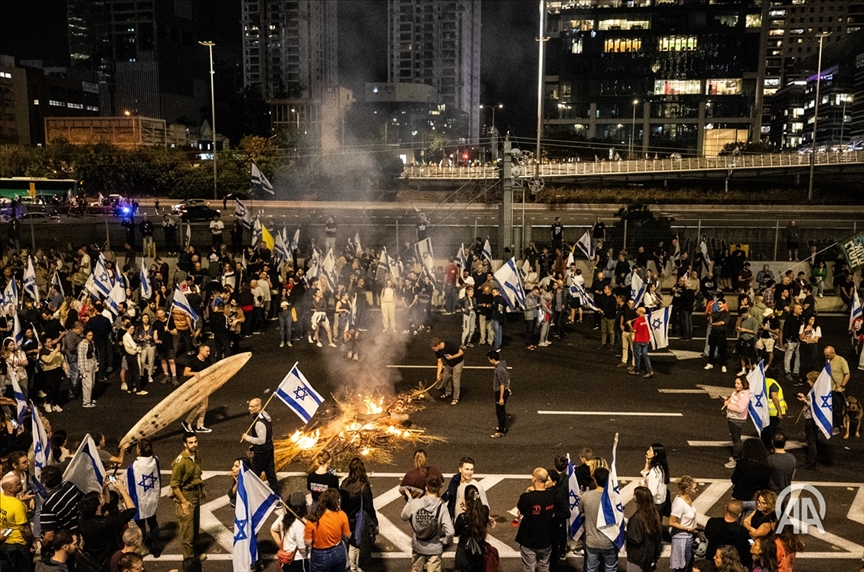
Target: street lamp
815,118
632,129
213,108
541,40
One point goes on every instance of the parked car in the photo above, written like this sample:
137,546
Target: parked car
198,212
178,208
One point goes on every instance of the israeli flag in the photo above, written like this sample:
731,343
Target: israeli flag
314,269
487,250
658,326
758,407
255,502
821,403
101,278
329,268
116,297
610,515
358,250
570,259
579,290
586,245
17,332
351,320
241,212
144,485
706,260
461,260
676,254
295,242
280,252
10,294
259,181
426,256
85,470
30,281
188,233
526,268
181,303
510,284
56,282
637,288
296,393
20,399
146,288
257,232
855,312
41,449
576,524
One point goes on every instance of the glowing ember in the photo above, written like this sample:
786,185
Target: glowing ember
373,408
396,431
365,451
305,441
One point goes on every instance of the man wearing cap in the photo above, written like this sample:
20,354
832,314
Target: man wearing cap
261,439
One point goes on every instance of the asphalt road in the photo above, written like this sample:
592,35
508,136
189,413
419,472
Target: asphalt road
569,376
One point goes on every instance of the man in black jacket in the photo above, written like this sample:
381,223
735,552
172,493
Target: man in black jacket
725,530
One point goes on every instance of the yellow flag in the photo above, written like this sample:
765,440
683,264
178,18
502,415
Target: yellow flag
267,237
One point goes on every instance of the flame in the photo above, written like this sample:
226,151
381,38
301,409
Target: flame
365,451
306,440
373,408
392,430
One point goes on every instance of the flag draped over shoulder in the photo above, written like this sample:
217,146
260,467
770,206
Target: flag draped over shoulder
658,326
298,394
758,407
144,484
85,470
510,284
821,403
610,515
255,502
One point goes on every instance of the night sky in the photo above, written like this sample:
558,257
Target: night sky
36,29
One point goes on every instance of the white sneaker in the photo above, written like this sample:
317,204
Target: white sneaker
58,409
731,464
47,407
709,366
350,355
723,369
320,345
124,387
281,344
310,340
289,344
332,345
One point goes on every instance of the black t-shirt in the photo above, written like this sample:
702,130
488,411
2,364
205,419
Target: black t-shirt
196,365
102,534
450,349
537,509
719,533
599,230
317,484
772,322
557,231
160,330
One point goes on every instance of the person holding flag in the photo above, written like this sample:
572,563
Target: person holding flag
818,418
260,438
599,549
641,341
254,504
737,408
144,483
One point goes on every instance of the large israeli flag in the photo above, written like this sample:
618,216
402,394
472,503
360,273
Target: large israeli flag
587,300
144,485
20,399
101,278
181,303
426,256
280,251
510,284
759,397
487,251
10,293
255,502
610,515
586,245
576,524
329,268
855,311
637,288
116,297
658,326
30,281
821,403
296,393
146,288
259,181
241,212
85,470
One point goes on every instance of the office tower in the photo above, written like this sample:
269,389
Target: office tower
438,44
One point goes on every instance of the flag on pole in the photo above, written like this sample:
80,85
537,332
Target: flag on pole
181,303
579,290
280,251
241,212
20,399
329,268
426,256
255,502
314,269
146,289
570,259
658,326
144,485
10,293
295,242
267,238
526,268
510,285
821,403
30,281
116,297
487,251
85,470
610,515
57,283
586,245
351,320
855,311
758,407
296,393
257,232
259,181
41,448
706,260
576,524
358,250
637,288
461,260
17,332
676,254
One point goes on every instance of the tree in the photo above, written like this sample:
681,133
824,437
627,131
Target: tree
644,228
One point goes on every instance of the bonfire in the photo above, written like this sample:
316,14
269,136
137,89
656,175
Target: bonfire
371,427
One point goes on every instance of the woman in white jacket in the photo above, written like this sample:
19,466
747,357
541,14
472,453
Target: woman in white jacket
655,476
736,415
87,365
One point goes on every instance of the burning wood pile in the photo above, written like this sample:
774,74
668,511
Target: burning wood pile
364,426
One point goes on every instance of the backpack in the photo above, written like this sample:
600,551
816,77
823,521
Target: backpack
491,560
425,523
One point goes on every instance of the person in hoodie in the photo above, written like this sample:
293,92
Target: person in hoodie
431,525
501,391
261,438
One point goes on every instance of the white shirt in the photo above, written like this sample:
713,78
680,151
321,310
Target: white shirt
460,496
685,513
216,226
653,479
294,538
129,344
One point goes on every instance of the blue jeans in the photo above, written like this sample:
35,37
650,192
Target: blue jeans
74,382
329,560
594,556
285,323
450,294
640,354
498,331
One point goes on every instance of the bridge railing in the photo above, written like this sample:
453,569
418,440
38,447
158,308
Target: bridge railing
636,166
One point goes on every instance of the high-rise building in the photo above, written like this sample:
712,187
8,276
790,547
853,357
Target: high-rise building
145,55
438,44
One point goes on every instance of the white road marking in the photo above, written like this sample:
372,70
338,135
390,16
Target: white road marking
856,510
397,366
789,444
223,535
708,498
699,391
386,527
612,413
684,354
717,391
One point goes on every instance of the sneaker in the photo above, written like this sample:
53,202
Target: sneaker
454,402
789,377
350,355
332,345
463,346
649,374
124,387
174,381
723,369
731,464
319,344
595,328
48,408
186,426
203,429
289,345
356,357
58,409
42,394
709,366
632,372
311,341
142,392
281,344
149,380
621,364
89,405
470,345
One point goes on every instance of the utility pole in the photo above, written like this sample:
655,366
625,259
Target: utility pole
213,107
505,212
815,119
541,40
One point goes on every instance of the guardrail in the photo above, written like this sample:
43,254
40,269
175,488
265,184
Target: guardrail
639,166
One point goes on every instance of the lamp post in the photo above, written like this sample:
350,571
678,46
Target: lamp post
213,108
541,39
632,129
843,121
492,140
815,118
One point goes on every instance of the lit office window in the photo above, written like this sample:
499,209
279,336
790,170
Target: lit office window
677,87
723,86
622,45
677,43
620,24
